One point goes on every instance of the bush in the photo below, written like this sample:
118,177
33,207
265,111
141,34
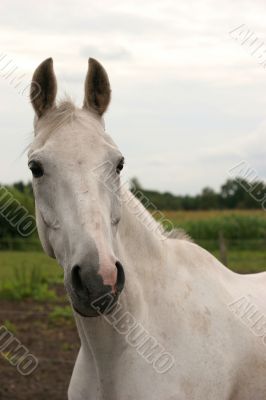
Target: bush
25,284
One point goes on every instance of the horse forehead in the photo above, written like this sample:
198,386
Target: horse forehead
68,126
83,144
77,133
70,145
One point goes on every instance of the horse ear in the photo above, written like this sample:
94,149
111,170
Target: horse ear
97,88
43,87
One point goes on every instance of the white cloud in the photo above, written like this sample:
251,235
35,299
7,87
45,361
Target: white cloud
186,96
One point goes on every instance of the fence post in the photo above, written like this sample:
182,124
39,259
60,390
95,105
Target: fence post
222,248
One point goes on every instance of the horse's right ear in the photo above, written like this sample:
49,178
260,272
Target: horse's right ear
43,87
97,88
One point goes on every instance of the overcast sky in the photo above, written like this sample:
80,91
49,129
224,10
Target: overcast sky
189,98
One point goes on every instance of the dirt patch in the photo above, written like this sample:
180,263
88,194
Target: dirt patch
53,341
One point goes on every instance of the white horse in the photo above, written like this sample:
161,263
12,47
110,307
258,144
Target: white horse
185,327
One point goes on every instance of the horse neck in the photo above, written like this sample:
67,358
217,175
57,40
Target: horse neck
138,228
140,240
140,248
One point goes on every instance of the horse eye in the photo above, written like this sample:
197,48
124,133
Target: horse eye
120,165
36,169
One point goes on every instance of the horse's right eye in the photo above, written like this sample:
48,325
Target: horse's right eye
36,169
120,165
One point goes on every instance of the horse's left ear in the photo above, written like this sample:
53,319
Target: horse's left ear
43,88
97,88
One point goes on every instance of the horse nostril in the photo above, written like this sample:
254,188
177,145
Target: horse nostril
76,279
120,282
86,283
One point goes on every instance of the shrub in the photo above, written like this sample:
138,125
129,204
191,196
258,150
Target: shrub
26,283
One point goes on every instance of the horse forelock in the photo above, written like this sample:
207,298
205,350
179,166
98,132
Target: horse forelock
59,116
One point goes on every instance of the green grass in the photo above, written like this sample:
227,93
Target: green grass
28,275
244,232
208,225
10,326
9,260
26,283
178,217
32,273
245,261
59,313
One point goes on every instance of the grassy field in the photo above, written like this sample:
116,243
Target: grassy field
244,233
12,260
180,217
208,225
35,308
239,260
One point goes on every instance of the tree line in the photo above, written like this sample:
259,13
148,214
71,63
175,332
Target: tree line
235,193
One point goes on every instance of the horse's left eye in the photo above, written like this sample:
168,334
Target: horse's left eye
36,169
120,165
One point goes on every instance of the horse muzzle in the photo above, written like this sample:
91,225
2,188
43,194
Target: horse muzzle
89,294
